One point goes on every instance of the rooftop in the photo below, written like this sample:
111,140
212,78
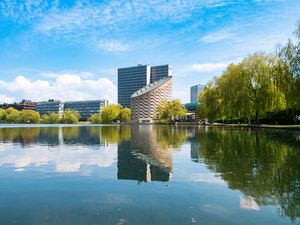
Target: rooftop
150,87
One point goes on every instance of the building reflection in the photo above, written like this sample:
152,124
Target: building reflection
142,158
143,153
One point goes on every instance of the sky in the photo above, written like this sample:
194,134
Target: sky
70,50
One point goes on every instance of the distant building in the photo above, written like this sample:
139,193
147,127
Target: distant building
86,108
131,79
50,106
145,100
23,105
195,91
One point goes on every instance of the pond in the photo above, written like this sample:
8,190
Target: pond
148,174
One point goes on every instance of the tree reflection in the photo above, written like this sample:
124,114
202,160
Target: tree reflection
261,164
170,136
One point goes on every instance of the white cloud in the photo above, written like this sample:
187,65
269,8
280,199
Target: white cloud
217,36
248,203
112,46
64,87
209,67
4,98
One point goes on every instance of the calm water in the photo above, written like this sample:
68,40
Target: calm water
147,174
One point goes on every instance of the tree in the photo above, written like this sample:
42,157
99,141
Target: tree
13,115
3,114
70,117
95,118
45,119
54,118
125,114
168,110
29,116
111,113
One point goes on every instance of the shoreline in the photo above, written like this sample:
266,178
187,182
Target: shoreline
262,126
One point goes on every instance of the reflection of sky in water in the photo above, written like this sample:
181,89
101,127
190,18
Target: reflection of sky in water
99,176
64,158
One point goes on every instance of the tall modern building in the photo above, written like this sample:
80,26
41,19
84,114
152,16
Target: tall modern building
131,79
195,91
158,72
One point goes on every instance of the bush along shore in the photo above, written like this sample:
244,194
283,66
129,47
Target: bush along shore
12,115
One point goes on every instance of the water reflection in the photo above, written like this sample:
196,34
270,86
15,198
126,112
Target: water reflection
142,153
264,166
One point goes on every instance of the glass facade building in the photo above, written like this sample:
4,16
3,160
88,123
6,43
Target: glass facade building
195,91
131,79
86,108
50,106
159,72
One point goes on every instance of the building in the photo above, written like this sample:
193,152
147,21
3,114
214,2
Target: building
26,105
86,108
158,72
131,79
50,106
195,91
145,100
23,105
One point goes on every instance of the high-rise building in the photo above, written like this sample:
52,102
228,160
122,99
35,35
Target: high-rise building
195,91
158,72
131,79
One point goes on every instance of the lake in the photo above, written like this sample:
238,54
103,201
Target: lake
148,174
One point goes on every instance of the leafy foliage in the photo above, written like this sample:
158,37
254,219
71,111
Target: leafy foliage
111,113
95,118
29,116
3,114
258,85
125,114
70,117
52,118
169,110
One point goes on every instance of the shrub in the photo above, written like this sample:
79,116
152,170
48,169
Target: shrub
70,117
95,118
29,116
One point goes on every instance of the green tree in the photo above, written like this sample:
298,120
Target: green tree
125,114
45,119
3,114
54,118
246,90
13,115
70,117
29,116
111,113
95,118
168,110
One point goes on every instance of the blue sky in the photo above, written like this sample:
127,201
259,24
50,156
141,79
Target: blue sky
72,49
